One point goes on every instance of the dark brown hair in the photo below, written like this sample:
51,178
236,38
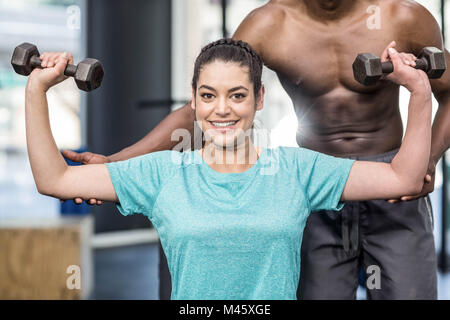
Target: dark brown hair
229,50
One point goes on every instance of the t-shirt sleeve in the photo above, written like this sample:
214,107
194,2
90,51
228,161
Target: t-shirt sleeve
324,179
138,181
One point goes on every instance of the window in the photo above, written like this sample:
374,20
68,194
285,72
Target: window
52,26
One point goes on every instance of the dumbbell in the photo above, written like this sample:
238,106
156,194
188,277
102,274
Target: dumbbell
88,73
368,68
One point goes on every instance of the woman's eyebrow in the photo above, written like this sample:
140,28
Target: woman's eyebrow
231,90
237,88
207,87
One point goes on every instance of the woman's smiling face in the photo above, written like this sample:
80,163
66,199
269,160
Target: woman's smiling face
225,103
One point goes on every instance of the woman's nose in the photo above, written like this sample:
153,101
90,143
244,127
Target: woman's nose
222,107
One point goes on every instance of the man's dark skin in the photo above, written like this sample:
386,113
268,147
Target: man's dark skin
311,45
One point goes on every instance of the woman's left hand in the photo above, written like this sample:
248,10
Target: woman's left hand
404,74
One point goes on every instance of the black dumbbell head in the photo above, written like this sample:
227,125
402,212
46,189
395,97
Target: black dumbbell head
436,61
367,69
89,74
21,58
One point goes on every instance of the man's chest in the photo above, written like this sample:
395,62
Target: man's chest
320,59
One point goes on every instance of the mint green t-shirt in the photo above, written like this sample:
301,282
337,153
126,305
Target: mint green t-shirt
231,235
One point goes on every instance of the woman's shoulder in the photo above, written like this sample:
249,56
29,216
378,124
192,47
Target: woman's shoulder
289,152
169,158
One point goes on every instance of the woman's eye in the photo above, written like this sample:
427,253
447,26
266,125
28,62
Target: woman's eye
207,95
238,96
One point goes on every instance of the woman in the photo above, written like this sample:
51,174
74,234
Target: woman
230,216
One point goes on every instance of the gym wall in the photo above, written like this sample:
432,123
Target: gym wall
132,39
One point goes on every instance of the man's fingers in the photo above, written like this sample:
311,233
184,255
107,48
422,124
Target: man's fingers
409,198
91,202
72,155
79,201
428,178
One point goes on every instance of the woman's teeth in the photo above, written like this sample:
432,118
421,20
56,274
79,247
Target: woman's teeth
223,124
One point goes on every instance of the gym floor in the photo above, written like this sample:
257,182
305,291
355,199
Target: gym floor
131,273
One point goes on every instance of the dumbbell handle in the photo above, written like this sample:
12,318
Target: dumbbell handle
388,66
69,71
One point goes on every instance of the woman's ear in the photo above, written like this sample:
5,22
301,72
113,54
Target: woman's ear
260,99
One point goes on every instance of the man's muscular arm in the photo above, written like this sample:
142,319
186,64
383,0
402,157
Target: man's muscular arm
425,33
160,137
156,140
258,27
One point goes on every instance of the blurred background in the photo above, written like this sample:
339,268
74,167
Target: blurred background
148,50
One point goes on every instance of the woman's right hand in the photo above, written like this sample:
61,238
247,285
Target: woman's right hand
85,158
52,72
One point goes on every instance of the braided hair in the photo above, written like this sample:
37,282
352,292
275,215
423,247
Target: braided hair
229,50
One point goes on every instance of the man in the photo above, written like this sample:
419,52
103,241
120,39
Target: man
311,46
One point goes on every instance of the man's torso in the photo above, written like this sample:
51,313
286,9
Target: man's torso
313,60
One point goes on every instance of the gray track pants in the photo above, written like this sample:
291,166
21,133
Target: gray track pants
395,239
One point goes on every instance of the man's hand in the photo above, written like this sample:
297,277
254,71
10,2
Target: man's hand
85,158
428,185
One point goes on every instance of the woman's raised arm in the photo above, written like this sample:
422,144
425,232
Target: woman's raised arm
405,174
51,174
